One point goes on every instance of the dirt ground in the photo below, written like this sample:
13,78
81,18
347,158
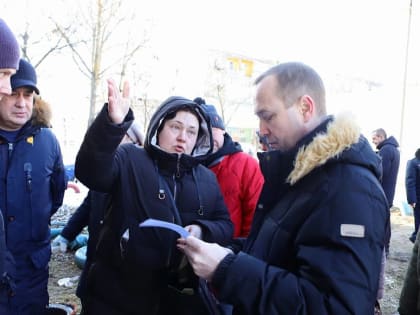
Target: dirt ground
63,266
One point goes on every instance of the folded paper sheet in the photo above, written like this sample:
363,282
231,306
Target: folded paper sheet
167,225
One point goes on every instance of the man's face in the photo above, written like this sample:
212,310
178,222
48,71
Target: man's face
179,134
16,109
283,127
376,139
218,138
5,75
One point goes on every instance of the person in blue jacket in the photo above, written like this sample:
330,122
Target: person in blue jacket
9,62
32,185
412,188
388,150
139,270
317,238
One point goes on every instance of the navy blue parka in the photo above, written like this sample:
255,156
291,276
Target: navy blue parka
390,154
32,186
317,238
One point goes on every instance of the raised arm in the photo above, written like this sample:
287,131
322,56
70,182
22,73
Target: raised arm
96,164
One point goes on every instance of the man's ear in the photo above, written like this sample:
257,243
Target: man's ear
307,107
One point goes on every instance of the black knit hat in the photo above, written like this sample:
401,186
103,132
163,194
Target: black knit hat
25,76
215,120
9,48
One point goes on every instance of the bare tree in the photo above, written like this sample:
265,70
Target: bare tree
29,45
101,41
220,85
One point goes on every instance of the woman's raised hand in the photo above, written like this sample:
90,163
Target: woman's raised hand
118,102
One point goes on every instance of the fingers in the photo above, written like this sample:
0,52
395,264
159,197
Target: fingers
126,90
112,91
189,244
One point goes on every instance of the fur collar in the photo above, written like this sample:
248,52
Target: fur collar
41,113
341,134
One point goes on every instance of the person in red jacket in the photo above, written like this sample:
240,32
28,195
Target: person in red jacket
237,172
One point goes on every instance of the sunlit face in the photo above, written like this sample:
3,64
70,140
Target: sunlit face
179,134
376,139
16,109
283,127
5,75
218,138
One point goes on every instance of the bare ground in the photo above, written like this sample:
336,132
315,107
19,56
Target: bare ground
63,266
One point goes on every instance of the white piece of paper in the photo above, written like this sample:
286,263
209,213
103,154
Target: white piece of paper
167,225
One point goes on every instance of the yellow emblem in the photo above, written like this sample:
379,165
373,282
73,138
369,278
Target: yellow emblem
30,140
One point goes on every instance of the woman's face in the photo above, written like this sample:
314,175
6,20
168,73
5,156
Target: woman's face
179,134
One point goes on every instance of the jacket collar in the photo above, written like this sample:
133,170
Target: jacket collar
334,137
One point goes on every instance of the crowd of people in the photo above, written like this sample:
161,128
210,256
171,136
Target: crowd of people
303,230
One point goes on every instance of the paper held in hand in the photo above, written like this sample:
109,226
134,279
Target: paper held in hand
167,225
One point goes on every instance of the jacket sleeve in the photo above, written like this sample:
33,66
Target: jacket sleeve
78,220
252,181
96,165
410,182
58,181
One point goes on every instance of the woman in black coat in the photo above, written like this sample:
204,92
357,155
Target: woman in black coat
139,270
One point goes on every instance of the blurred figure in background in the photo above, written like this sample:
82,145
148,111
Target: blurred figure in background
412,188
238,173
388,150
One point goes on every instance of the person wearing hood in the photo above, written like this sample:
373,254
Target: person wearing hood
316,241
238,173
139,270
32,187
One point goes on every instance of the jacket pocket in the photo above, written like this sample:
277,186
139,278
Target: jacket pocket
41,257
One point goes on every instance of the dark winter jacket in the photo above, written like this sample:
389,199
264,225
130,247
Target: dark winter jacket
409,303
90,213
32,185
317,237
142,275
412,181
240,180
390,154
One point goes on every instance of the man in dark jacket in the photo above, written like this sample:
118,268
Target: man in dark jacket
390,154
32,188
316,242
139,270
388,149
412,187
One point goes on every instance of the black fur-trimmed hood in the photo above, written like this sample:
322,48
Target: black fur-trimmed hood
204,144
